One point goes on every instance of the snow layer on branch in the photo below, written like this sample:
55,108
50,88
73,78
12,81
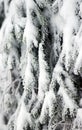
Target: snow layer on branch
71,22
30,32
24,120
78,121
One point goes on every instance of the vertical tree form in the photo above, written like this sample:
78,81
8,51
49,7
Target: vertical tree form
41,45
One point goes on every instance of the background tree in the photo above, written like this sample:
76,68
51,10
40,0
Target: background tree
42,63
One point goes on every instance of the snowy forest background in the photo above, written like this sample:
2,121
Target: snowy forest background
40,64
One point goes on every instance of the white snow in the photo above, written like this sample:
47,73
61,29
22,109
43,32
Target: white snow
23,118
65,21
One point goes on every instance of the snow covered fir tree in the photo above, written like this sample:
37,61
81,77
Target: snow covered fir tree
40,65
